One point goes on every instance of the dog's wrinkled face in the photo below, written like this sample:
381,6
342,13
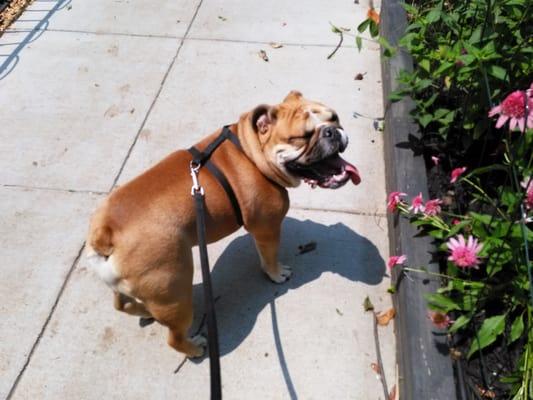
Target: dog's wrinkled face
303,139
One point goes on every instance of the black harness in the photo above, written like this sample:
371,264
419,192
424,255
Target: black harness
200,159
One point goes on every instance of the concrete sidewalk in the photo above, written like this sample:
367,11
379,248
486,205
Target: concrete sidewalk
91,94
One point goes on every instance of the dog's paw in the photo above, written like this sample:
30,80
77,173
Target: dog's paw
201,343
282,275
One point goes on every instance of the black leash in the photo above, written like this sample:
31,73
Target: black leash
201,158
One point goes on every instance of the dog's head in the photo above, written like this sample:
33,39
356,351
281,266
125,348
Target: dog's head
299,139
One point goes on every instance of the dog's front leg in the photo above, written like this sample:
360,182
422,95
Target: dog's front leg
267,243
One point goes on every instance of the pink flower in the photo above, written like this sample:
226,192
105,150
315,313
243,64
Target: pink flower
456,173
417,204
433,207
394,200
513,108
396,260
529,92
527,184
455,221
439,319
435,160
464,254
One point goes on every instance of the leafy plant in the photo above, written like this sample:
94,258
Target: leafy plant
467,57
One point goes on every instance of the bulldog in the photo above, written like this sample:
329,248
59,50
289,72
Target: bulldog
140,238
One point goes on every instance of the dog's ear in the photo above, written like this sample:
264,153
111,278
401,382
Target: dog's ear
293,96
263,117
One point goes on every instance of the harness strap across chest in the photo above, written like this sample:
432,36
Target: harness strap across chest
201,158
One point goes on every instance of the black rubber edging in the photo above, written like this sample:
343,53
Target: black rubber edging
425,367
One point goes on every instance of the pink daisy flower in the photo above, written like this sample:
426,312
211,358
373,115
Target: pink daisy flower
439,319
394,200
435,160
417,204
396,260
433,207
464,254
456,173
513,109
527,184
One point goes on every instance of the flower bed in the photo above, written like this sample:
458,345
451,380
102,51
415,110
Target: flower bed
471,99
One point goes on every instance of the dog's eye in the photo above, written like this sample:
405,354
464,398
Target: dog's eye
306,135
334,118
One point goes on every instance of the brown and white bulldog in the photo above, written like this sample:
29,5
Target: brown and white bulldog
140,238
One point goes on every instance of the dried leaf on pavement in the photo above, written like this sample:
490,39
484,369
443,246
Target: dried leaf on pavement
375,368
367,304
275,45
359,77
385,317
373,15
263,55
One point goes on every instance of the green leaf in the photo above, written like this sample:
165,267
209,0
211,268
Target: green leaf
424,64
488,333
497,72
433,16
409,8
359,42
374,29
441,112
396,96
488,168
425,119
364,25
444,67
483,218
442,303
517,328
388,50
459,323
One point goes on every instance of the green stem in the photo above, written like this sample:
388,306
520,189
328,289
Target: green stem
487,197
440,275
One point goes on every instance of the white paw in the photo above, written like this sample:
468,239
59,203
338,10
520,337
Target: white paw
201,342
282,275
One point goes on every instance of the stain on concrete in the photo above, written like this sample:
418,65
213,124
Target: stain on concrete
113,50
112,111
145,134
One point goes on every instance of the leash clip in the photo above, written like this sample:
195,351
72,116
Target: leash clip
196,188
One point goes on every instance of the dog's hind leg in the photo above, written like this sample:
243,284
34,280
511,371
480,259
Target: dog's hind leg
131,306
178,318
173,305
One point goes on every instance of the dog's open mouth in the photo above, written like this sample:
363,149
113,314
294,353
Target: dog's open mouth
331,172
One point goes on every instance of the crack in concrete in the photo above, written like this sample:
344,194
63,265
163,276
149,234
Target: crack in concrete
46,322
156,97
185,38
53,189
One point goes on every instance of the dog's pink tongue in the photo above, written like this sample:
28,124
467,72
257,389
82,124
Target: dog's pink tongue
354,173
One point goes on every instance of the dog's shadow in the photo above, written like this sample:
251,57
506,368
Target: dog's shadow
243,290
